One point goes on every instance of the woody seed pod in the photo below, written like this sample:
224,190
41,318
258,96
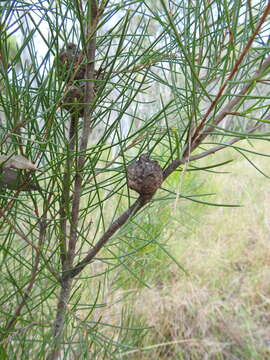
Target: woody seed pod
144,175
15,179
70,63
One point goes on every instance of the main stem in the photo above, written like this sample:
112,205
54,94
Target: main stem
60,318
68,250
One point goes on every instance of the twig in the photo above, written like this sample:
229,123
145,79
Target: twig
34,273
229,107
33,246
65,201
176,163
198,129
139,203
21,330
89,96
120,221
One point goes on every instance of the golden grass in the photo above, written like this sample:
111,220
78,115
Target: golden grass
221,310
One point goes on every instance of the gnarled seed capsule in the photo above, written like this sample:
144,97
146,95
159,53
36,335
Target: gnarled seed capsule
70,63
144,175
16,180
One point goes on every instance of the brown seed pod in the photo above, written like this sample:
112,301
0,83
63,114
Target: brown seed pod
70,63
16,180
144,175
73,100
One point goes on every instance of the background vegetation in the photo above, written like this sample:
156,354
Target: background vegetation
91,269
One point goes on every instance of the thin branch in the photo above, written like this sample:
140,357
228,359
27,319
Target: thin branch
22,330
89,97
176,163
172,167
229,107
34,273
64,203
33,246
220,147
234,71
120,221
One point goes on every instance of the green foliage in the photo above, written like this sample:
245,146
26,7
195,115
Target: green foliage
177,80
141,250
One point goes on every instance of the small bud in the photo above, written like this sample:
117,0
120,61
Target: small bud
144,175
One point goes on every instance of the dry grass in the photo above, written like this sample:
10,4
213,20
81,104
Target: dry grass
221,310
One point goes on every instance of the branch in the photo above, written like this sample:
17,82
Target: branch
64,202
33,246
88,100
11,337
120,221
34,272
229,107
176,163
194,138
